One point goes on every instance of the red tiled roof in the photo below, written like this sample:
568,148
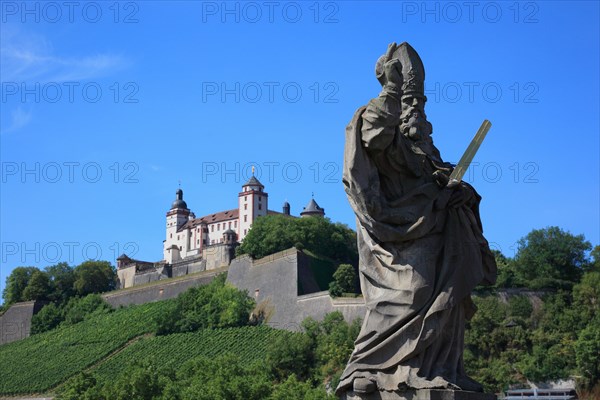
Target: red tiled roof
211,218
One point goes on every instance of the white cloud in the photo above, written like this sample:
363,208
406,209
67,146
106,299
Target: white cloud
19,119
32,58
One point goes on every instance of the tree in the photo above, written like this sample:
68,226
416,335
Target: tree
551,258
293,389
293,355
16,283
507,274
595,254
586,296
587,353
216,305
49,317
80,387
273,233
62,280
81,308
344,280
223,377
143,381
94,277
333,341
38,287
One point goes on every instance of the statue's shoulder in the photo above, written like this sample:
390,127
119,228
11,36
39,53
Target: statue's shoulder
357,116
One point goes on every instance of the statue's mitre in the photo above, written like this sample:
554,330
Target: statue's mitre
413,71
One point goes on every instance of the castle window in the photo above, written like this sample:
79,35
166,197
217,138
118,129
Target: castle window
198,241
260,206
229,224
171,236
245,198
177,237
245,206
212,228
245,218
244,231
259,198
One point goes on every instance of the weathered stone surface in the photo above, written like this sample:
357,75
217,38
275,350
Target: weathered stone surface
424,394
273,282
161,290
420,241
15,323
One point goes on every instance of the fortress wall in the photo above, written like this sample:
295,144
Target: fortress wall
126,276
273,282
161,290
15,323
316,305
186,268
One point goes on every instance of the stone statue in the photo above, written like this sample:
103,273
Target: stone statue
421,245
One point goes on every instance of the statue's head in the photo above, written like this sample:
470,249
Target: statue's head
413,121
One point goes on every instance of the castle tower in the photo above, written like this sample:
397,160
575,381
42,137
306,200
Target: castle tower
312,209
253,202
177,216
286,208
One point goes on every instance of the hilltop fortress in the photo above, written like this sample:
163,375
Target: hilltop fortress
206,243
195,250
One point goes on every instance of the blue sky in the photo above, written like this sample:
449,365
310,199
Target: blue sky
106,106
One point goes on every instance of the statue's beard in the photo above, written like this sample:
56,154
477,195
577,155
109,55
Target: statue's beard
415,126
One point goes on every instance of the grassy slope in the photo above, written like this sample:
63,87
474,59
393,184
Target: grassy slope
41,362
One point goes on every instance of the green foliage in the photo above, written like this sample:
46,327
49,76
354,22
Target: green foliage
291,355
586,296
94,277
49,317
141,381
249,343
344,280
595,264
587,354
42,361
551,258
38,287
216,305
333,342
81,308
16,283
62,280
75,311
224,377
80,387
507,273
520,307
273,233
293,389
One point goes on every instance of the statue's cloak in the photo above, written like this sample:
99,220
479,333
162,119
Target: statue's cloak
419,260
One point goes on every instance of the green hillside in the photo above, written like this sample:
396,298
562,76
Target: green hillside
248,343
107,344
42,361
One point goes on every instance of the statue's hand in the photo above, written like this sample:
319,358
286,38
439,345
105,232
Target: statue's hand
392,68
393,72
441,178
462,194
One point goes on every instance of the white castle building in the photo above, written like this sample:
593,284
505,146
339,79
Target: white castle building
196,244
